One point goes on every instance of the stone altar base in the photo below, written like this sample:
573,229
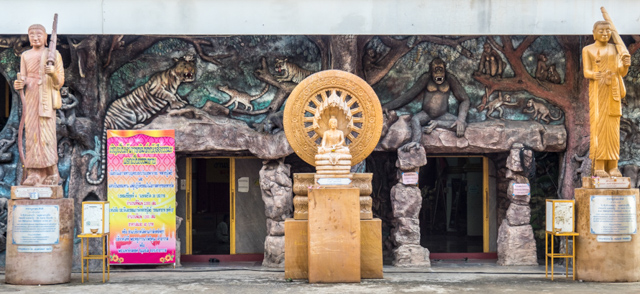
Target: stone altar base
604,261
334,235
296,261
26,266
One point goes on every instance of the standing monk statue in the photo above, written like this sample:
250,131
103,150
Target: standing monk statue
605,65
41,78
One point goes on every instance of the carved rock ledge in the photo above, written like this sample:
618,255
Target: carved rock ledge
484,137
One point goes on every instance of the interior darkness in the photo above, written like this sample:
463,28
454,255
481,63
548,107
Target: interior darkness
5,101
451,214
298,165
383,167
210,201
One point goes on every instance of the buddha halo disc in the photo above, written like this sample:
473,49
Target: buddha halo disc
311,105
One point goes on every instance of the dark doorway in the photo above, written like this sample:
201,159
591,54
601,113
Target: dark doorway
451,218
210,206
5,101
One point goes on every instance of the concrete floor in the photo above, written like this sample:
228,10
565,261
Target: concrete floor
250,277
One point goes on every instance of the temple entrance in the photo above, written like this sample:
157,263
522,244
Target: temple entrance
455,214
225,212
5,101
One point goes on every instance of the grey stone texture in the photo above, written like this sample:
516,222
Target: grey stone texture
277,194
406,201
398,134
275,228
518,215
406,231
195,127
411,158
411,256
273,252
516,245
497,136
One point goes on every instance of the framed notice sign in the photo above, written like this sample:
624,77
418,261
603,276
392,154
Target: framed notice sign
613,215
560,216
142,196
95,217
36,224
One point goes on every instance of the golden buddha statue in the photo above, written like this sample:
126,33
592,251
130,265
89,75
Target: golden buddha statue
333,156
333,146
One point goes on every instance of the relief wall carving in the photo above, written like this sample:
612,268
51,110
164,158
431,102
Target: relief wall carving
520,89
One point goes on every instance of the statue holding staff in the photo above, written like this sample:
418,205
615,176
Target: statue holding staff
41,77
605,65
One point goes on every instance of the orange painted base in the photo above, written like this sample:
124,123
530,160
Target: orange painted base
334,235
604,261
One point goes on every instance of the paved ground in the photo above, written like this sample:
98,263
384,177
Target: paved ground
248,278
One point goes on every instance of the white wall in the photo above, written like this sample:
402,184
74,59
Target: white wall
239,17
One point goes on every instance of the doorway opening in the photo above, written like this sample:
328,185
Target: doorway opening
210,219
225,215
455,205
5,101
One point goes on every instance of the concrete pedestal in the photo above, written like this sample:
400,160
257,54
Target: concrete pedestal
296,246
296,251
604,261
371,249
334,235
33,257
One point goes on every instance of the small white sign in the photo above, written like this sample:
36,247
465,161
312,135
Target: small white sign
35,249
616,238
613,215
611,183
183,184
36,224
92,218
410,178
33,192
243,185
521,189
334,181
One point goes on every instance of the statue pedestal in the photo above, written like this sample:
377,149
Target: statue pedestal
296,261
334,235
39,240
605,249
340,222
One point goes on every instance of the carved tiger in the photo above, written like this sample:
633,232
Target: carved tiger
143,103
290,72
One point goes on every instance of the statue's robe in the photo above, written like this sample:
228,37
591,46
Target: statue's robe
42,97
605,108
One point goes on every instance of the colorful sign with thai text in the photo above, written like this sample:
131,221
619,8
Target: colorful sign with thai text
142,195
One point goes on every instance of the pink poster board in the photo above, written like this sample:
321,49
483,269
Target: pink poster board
142,196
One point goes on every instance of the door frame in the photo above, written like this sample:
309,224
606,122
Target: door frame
485,198
232,203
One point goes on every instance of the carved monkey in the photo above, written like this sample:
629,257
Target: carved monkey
67,113
498,103
553,75
540,111
370,60
491,62
542,70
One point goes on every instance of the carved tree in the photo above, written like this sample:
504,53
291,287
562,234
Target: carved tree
571,96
